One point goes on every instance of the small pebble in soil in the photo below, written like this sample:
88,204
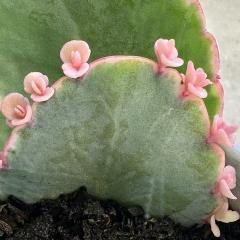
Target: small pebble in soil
80,216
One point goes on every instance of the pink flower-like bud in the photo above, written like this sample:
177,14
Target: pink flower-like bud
194,81
167,54
36,84
223,215
221,133
75,55
227,182
16,108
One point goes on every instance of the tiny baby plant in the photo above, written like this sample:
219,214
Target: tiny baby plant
122,124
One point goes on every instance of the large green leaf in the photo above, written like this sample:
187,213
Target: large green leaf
32,33
124,133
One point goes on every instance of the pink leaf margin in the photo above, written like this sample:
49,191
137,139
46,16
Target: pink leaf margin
215,52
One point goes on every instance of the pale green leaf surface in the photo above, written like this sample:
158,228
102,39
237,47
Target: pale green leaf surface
125,135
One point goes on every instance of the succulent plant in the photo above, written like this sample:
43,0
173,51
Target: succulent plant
127,127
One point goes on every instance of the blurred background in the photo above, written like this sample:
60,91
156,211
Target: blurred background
223,20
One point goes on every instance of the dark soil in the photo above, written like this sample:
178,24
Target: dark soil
81,216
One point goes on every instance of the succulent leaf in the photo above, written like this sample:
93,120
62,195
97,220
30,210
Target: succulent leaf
33,32
122,132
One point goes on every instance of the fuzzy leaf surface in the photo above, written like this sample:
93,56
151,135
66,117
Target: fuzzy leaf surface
124,134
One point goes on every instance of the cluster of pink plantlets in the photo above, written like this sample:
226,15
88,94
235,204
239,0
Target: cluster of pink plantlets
17,109
194,82
75,54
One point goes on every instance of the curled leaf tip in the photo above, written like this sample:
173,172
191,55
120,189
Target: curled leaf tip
16,108
194,81
36,84
222,133
75,55
167,54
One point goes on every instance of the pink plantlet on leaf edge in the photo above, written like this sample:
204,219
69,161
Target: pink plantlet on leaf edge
167,54
222,133
227,182
75,55
36,84
223,215
194,81
16,108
